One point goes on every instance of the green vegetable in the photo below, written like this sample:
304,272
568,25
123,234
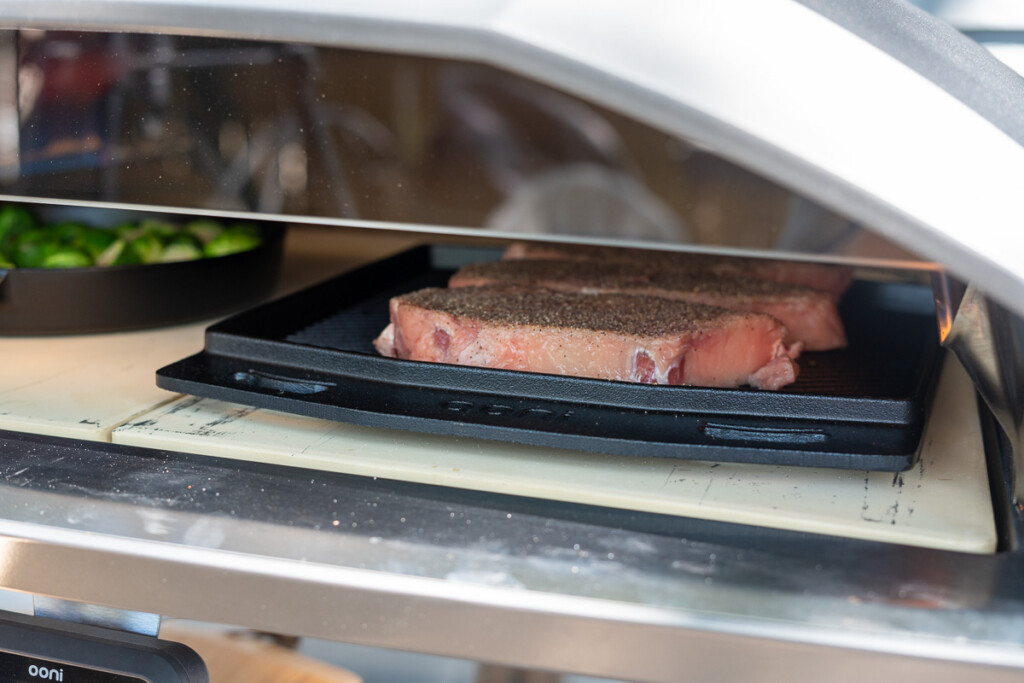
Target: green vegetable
26,243
125,229
67,233
30,248
204,230
231,241
148,246
67,257
14,220
110,254
182,248
119,253
245,228
95,240
162,229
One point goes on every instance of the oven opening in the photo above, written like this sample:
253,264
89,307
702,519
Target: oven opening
208,245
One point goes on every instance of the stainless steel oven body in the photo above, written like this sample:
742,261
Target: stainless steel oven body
868,135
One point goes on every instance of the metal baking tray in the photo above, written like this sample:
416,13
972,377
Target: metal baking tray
311,354
47,301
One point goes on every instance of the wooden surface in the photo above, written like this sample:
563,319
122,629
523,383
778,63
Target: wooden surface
244,657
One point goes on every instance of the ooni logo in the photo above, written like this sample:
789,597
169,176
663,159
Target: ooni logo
45,673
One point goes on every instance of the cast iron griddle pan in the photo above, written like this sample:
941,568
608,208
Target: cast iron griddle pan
311,354
39,301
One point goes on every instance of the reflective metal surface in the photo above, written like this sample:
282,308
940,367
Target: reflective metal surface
486,577
990,343
859,128
96,615
361,136
683,123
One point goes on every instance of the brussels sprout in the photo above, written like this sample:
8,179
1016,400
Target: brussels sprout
204,230
31,248
67,233
162,229
24,242
148,246
119,253
231,241
182,247
126,229
95,240
14,220
67,257
108,255
245,229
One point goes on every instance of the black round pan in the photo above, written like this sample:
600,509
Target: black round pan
38,301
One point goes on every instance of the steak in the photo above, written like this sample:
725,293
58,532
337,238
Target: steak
810,315
823,276
605,336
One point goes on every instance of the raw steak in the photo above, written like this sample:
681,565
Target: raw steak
826,277
606,336
810,315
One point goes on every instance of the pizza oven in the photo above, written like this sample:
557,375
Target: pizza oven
215,443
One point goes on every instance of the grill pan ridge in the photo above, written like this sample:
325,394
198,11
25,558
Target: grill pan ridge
311,354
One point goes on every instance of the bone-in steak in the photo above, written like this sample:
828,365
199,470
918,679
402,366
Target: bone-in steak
809,315
834,279
605,336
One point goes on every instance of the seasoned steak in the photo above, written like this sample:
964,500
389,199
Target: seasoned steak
605,336
826,277
810,315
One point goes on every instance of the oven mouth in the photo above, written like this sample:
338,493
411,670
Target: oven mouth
311,354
